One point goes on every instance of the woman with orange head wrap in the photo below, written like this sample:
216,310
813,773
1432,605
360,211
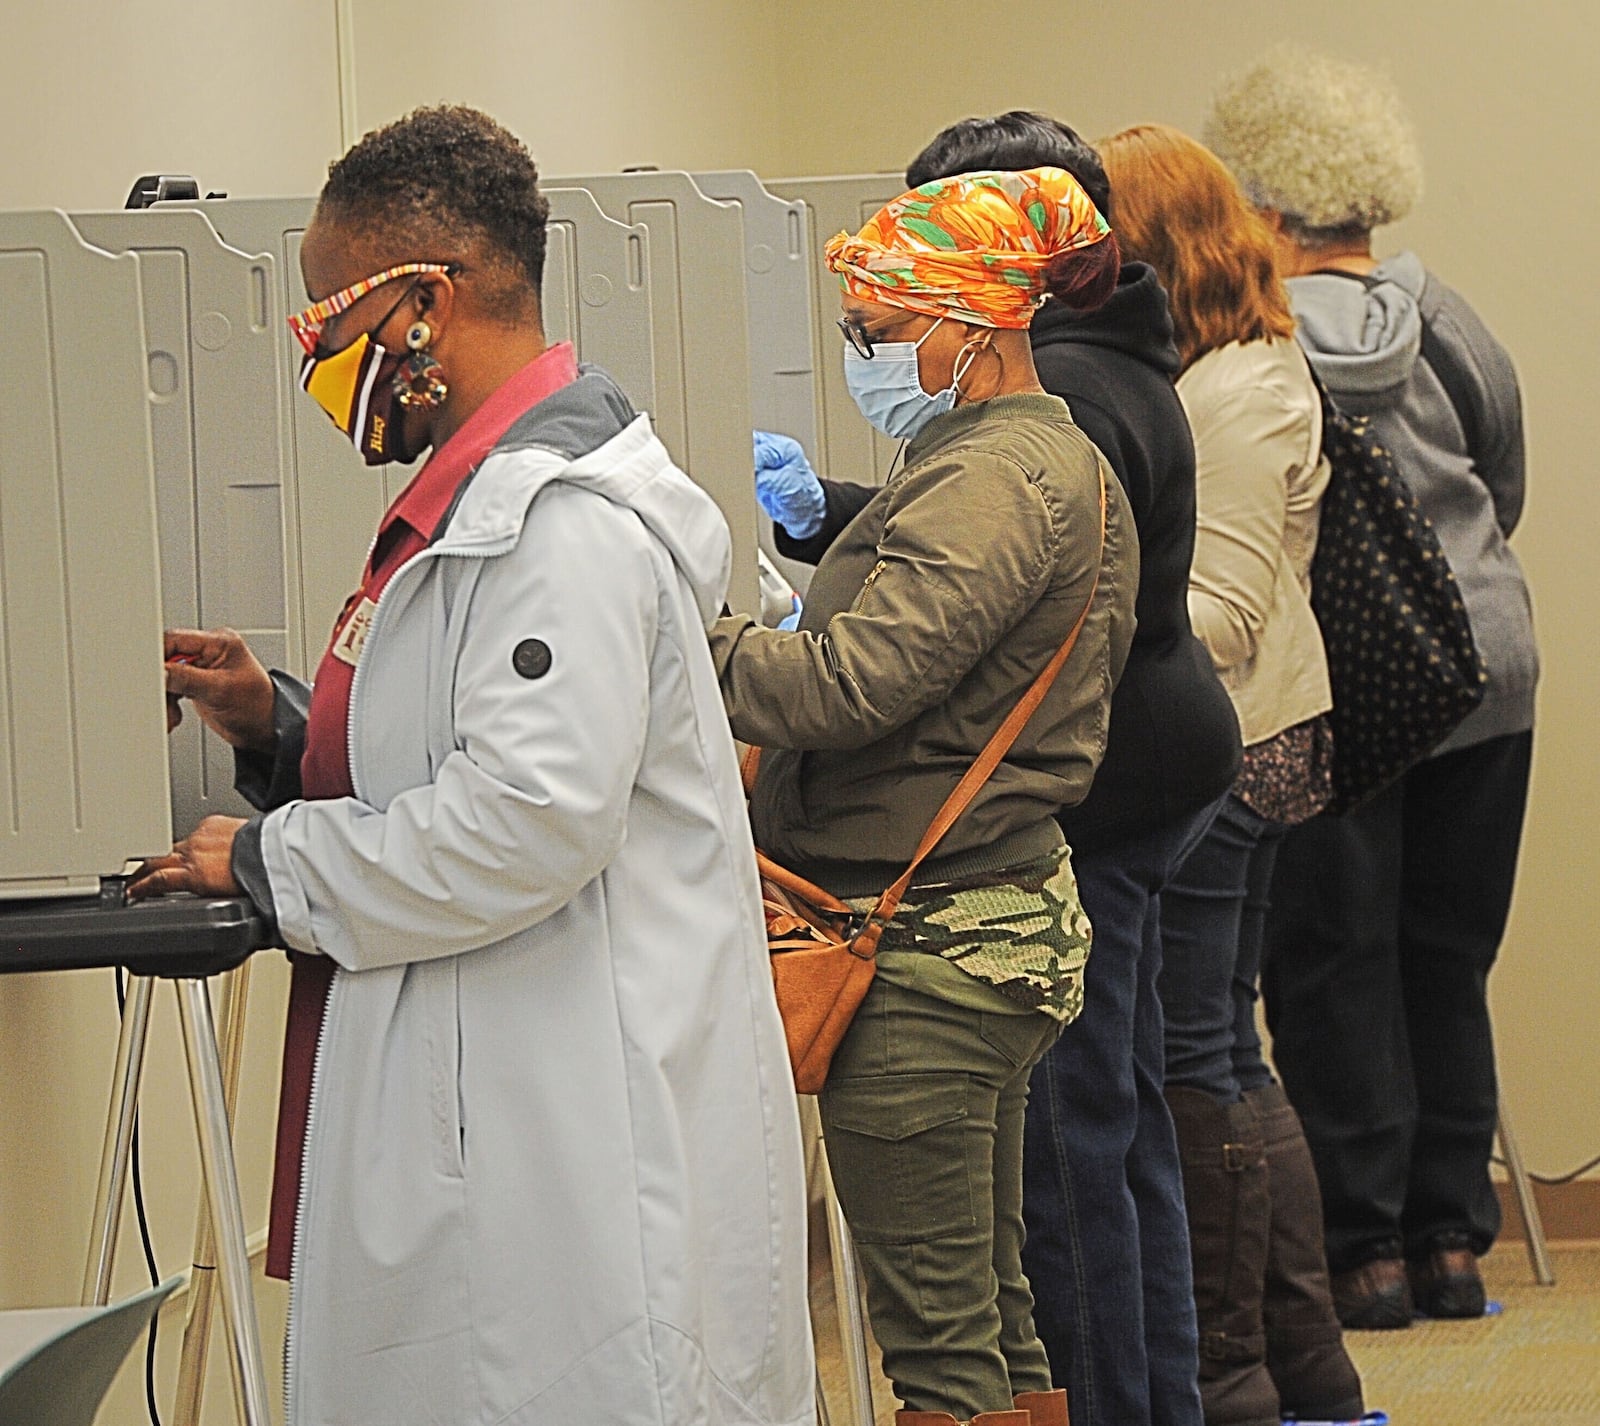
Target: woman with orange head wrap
926,621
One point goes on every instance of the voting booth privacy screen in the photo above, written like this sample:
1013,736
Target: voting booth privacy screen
83,758
159,466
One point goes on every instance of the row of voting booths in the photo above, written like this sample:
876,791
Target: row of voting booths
160,467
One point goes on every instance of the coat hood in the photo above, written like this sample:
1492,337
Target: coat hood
1363,336
1135,319
599,442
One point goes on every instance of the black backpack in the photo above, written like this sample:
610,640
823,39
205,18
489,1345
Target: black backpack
1401,658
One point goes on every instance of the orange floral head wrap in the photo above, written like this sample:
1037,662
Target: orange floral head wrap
976,247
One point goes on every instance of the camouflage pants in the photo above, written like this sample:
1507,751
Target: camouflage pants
1021,929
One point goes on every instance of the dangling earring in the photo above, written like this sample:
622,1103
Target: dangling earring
417,384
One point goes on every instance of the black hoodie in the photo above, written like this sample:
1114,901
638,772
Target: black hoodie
1174,740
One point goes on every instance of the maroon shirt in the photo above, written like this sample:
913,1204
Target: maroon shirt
407,528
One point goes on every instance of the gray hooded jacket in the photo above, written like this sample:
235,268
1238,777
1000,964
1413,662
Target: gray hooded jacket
1365,343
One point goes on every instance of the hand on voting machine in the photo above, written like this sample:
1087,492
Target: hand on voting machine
201,863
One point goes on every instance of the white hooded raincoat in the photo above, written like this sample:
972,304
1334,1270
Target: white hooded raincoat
553,1169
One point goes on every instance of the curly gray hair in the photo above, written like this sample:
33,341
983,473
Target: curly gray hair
1324,142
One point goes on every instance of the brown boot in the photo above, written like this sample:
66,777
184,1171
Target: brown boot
1315,1377
1044,1408
1225,1190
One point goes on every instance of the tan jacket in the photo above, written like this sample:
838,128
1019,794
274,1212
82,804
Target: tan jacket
1259,478
924,624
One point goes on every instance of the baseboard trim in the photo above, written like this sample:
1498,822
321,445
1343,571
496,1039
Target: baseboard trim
1570,1212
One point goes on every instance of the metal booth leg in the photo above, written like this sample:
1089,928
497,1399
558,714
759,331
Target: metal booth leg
118,1145
1527,1204
846,1281
221,1181
847,1298
202,1278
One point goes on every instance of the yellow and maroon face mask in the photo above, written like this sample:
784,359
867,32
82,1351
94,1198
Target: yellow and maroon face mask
356,388
355,385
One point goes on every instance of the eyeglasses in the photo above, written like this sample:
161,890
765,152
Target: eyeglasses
307,326
856,333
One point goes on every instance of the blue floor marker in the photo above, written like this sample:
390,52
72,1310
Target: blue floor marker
1372,1418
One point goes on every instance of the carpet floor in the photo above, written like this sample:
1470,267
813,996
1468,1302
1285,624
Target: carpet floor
1535,1364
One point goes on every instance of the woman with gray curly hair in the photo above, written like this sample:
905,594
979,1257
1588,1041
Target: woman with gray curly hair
1386,921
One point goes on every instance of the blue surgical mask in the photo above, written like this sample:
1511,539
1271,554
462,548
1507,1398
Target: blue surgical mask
888,390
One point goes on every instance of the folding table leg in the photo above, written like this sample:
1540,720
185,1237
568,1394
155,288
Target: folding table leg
235,987
222,1197
118,1144
1532,1223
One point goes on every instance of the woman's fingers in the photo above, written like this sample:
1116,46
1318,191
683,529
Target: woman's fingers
160,876
202,863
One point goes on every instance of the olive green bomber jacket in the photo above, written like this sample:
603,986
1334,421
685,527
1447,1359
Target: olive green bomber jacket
925,623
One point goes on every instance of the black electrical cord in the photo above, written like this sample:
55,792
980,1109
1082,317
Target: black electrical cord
144,1238
1554,1180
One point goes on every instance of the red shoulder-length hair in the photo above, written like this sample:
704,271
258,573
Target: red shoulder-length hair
1181,211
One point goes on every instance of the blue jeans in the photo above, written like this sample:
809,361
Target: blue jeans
1213,922
1107,1250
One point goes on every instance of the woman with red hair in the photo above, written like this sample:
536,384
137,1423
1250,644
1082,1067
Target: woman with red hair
1270,1344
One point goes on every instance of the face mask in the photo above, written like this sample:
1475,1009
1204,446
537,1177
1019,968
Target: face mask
356,388
888,390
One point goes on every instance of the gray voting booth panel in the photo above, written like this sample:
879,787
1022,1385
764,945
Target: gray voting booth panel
332,502
847,447
597,290
221,459
83,758
781,314
701,408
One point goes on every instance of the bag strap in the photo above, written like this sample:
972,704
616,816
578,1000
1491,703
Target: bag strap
994,752
1444,364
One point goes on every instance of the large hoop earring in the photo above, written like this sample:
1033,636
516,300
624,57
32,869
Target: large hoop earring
976,346
418,384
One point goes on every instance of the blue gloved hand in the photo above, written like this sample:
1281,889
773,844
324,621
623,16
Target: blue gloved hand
786,486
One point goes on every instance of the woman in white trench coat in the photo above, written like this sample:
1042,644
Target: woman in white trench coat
551,1167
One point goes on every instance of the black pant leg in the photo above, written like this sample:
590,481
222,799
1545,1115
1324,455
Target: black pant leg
1331,982
1463,829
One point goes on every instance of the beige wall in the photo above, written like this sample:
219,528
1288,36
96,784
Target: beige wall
244,97
1506,101
248,99
590,87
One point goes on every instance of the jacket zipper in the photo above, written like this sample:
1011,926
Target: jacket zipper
867,583
290,1362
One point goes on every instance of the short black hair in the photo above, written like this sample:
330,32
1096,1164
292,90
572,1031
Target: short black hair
445,179
1017,139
